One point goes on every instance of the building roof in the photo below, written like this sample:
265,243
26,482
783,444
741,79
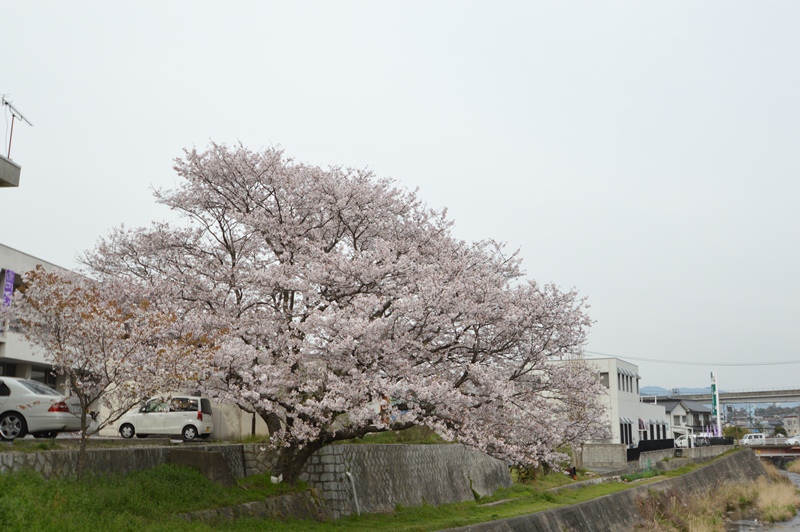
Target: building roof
669,405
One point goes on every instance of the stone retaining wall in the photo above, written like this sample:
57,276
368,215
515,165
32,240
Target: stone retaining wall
258,458
618,511
348,478
376,478
61,464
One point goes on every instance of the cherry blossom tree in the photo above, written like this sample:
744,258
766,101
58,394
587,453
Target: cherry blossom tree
349,307
114,347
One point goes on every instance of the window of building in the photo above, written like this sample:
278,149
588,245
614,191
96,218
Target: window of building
44,375
8,370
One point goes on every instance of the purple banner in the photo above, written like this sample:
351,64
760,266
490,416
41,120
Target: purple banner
8,288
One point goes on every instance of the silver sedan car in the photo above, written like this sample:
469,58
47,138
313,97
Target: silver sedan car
30,407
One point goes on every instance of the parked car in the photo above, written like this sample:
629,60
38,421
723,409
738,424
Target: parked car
30,407
753,439
793,441
186,416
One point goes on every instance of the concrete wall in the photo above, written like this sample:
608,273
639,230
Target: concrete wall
604,455
655,459
618,511
9,173
383,476
60,464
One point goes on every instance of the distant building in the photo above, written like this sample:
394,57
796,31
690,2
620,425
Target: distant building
688,417
792,425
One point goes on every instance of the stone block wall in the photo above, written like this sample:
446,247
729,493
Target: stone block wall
258,458
376,478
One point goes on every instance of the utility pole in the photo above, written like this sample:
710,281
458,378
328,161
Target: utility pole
715,410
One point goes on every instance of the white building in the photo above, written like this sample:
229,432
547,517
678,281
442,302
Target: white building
17,357
629,419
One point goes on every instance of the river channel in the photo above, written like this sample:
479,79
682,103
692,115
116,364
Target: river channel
750,524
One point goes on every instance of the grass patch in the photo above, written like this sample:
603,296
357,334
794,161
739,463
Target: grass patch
154,499
777,501
771,500
261,485
521,500
794,466
415,435
143,500
639,476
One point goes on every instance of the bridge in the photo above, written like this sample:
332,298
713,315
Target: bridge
779,455
748,396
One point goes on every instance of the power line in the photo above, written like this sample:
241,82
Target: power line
695,363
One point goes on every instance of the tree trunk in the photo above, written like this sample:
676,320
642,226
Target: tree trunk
273,422
80,466
292,459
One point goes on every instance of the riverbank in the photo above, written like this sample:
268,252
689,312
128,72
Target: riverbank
621,510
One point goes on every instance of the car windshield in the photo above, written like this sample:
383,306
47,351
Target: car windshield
39,388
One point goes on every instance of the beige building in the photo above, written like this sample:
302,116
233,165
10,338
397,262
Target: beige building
792,425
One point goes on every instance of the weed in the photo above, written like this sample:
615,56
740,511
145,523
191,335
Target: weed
777,501
637,476
794,466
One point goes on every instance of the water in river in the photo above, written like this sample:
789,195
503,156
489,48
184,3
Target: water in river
794,524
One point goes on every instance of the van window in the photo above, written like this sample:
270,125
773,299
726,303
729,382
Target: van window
183,404
155,405
206,406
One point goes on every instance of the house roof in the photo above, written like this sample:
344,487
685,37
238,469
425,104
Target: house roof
694,406
690,406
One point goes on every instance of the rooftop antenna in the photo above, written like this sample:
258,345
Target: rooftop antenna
14,115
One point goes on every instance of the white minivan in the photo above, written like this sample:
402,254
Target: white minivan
175,415
753,439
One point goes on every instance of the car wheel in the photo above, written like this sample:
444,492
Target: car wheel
46,434
12,425
189,433
127,430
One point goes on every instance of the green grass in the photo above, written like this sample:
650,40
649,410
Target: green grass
638,476
153,499
523,500
144,500
414,435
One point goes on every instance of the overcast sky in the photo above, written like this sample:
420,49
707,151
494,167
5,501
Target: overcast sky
645,153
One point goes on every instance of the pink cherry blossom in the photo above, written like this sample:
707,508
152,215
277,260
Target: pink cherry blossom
343,305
